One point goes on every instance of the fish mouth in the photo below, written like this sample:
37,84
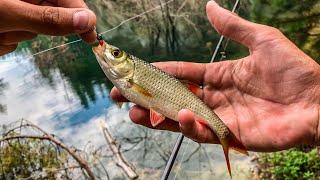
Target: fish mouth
99,52
99,49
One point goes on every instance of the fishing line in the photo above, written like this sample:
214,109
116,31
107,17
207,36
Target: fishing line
112,29
62,45
138,15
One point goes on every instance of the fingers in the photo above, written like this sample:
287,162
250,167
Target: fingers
116,95
48,20
88,36
4,49
216,74
14,37
193,129
193,72
231,25
9,40
190,127
42,2
142,116
72,3
212,76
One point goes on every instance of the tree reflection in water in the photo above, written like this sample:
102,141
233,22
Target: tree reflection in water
178,32
3,85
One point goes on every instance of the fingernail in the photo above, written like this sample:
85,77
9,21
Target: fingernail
80,20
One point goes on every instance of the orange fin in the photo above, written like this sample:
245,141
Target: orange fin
234,143
156,118
193,87
139,89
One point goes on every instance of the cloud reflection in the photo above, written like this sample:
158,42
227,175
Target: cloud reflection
58,110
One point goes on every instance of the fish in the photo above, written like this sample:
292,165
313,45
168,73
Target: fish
163,94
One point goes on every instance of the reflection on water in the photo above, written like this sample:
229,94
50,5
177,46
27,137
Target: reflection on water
66,93
58,107
29,95
3,85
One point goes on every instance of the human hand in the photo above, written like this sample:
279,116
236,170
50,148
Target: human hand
23,20
269,99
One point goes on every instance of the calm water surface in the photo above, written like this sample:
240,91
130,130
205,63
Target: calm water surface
65,92
66,107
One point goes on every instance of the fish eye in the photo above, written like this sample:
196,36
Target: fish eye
116,53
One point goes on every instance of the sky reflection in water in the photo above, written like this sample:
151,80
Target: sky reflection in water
58,110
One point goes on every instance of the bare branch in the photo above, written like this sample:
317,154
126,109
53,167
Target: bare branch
120,161
49,137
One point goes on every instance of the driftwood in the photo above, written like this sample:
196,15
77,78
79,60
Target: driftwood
120,161
46,136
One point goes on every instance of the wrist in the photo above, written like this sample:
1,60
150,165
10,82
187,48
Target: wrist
317,128
316,101
312,102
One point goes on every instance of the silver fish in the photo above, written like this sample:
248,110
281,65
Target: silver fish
161,93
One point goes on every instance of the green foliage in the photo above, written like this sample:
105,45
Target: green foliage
29,158
291,164
179,31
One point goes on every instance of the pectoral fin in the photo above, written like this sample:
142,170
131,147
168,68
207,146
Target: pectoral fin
136,87
156,118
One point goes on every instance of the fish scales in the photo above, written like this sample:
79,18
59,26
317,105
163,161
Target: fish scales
169,91
149,87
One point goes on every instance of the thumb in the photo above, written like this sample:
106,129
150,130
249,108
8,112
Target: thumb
50,20
231,25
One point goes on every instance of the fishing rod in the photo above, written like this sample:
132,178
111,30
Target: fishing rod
235,7
172,158
180,138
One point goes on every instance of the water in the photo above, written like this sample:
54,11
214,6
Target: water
65,92
69,98
56,106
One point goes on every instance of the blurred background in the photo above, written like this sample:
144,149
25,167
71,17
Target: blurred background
64,92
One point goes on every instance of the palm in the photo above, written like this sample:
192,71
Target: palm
266,100
269,99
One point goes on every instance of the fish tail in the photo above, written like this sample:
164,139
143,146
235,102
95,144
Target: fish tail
233,143
225,147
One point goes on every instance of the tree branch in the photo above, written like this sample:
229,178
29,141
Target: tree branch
49,137
120,161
